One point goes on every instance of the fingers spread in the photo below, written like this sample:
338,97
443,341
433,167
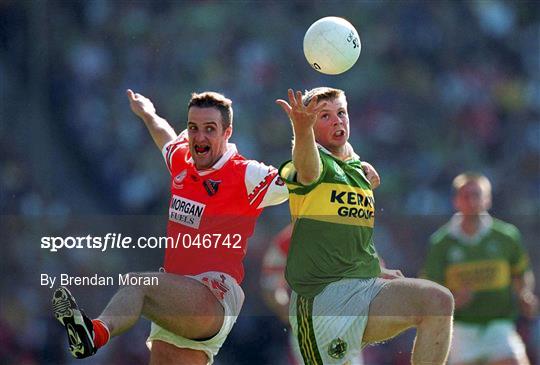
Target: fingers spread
284,105
292,100
299,98
313,102
317,108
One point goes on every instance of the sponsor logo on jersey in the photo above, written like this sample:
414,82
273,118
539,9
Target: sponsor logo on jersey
185,211
211,186
335,203
177,181
353,204
478,275
337,348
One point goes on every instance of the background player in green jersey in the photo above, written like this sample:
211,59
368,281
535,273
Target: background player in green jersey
481,260
341,299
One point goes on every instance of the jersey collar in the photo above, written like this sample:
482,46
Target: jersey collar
352,156
455,228
350,152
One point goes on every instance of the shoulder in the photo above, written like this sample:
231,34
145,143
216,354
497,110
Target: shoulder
255,165
174,146
505,229
440,236
325,156
254,170
257,171
238,162
173,149
180,141
287,171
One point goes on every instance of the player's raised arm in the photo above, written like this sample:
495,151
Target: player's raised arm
305,155
159,128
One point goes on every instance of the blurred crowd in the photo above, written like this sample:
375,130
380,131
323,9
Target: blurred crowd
440,87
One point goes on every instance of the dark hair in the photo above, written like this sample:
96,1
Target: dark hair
210,99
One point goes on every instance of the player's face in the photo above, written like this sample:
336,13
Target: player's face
332,126
207,138
471,199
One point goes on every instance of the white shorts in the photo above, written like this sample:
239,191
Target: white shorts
296,355
329,327
231,299
496,340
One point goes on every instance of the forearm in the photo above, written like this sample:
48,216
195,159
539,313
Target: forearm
524,283
159,129
524,288
306,156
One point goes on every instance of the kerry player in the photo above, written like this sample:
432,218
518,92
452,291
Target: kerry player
339,300
276,292
482,261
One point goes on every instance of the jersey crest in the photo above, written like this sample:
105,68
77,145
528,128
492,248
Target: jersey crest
211,186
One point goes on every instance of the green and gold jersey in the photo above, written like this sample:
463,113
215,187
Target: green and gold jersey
485,266
333,221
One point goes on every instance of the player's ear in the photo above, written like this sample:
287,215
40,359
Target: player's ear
228,132
488,202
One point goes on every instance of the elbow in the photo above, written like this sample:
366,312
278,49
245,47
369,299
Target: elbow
307,179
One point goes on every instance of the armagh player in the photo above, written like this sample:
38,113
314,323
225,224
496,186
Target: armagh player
482,261
216,197
341,299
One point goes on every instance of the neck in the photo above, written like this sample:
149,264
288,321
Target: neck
470,224
341,152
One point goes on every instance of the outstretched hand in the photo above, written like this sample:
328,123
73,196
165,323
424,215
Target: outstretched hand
140,105
301,116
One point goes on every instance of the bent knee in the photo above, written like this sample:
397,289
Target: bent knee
437,300
135,280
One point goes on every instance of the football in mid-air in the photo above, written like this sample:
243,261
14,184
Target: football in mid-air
332,45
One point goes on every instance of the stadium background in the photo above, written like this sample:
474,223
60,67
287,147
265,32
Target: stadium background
440,87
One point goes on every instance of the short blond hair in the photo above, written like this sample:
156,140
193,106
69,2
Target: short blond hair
322,93
464,178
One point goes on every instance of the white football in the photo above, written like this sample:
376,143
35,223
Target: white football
332,45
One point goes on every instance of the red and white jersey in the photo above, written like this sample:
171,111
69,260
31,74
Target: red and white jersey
213,212
275,260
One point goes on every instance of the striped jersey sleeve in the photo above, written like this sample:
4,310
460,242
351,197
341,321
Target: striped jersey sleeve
170,148
264,186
